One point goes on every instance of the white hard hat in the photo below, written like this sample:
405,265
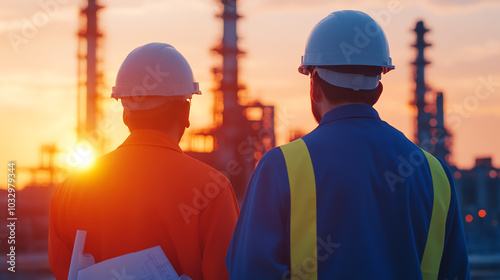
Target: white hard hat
346,38
154,70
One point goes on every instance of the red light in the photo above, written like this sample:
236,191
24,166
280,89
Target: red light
433,122
468,218
481,213
493,174
257,155
457,175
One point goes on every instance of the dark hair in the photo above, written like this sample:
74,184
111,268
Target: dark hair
164,117
335,94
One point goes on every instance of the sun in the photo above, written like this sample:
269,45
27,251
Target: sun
82,156
87,162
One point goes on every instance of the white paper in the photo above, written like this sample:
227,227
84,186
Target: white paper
149,264
78,259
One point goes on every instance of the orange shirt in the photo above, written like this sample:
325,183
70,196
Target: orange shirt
146,193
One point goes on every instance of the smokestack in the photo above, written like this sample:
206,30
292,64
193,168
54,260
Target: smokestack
423,115
89,75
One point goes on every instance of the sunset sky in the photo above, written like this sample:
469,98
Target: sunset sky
38,74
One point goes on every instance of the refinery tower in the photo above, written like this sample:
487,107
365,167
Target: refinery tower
431,134
243,130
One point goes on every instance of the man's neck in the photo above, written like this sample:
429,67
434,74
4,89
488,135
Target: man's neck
327,106
176,135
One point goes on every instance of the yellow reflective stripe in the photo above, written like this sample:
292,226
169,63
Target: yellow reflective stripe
434,246
303,238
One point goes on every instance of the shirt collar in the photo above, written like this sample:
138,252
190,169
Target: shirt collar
150,137
350,111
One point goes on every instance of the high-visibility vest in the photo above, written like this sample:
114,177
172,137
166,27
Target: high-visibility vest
303,237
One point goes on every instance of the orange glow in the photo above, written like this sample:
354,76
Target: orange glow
254,113
481,213
82,156
199,143
258,155
41,100
468,218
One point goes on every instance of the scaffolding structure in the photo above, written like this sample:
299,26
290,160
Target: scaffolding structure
431,133
243,131
90,77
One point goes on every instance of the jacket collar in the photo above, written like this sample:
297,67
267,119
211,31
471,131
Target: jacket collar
350,111
150,137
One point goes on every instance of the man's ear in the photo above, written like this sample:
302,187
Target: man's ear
316,90
126,119
186,109
380,89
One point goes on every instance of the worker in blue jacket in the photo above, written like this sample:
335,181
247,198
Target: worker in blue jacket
353,199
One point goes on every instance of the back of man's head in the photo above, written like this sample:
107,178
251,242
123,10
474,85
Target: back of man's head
338,95
155,84
172,115
346,54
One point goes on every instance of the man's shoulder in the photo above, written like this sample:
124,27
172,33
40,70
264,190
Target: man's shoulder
276,155
182,160
272,164
202,168
273,157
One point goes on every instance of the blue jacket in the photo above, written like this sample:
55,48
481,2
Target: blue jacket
374,192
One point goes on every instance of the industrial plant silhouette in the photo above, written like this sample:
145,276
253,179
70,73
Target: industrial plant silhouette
242,132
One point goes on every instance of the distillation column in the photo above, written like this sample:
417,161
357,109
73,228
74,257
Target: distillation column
423,115
89,77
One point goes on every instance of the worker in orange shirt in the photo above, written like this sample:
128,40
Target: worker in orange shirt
147,192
